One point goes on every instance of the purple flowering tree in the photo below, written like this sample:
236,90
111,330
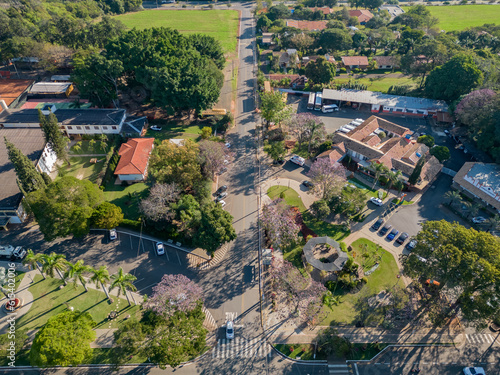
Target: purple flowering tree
328,178
475,106
299,296
278,219
174,293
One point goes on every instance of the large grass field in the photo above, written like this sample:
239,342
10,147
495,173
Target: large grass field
460,17
220,24
379,84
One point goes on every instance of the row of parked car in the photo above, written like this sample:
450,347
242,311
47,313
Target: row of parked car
392,234
220,194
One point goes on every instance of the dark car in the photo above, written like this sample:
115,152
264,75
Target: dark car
385,229
392,235
307,184
223,170
279,161
401,239
376,225
220,190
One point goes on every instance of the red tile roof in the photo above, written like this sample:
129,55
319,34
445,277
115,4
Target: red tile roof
134,156
355,60
307,25
363,15
326,11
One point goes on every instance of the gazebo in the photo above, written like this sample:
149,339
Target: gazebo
334,266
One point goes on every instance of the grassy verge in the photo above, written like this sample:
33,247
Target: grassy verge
460,17
383,278
83,169
291,197
126,197
371,192
174,130
86,148
303,351
405,203
219,24
49,300
364,352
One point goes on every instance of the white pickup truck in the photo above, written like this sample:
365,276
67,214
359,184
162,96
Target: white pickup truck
11,252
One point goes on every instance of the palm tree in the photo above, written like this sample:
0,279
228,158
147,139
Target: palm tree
392,178
474,209
76,271
494,222
32,261
123,281
454,197
379,169
101,276
54,262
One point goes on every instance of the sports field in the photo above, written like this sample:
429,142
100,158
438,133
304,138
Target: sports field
220,24
460,17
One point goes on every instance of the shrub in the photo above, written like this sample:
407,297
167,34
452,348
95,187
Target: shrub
343,70
131,224
427,140
343,246
113,162
325,146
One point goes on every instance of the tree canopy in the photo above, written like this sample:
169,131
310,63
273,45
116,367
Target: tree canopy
320,71
64,340
335,40
464,261
107,216
65,206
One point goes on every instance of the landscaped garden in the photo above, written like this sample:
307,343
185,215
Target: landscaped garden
82,168
219,24
49,300
381,272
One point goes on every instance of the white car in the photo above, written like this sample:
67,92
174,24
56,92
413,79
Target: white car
376,201
229,330
112,235
160,249
478,220
156,128
296,159
222,203
228,145
474,371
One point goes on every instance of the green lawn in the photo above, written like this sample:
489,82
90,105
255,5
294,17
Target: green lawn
49,300
371,192
459,17
174,130
220,24
303,351
383,278
379,84
82,169
86,148
405,203
320,227
126,197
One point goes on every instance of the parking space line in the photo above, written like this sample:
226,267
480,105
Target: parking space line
131,245
166,253
178,257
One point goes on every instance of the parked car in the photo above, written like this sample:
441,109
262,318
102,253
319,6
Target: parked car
393,234
160,249
478,220
411,245
230,330
156,128
221,189
279,161
385,229
376,201
376,225
222,170
222,203
401,239
296,159
307,184
112,235
474,371
221,196
228,145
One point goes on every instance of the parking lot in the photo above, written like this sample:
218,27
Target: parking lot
136,255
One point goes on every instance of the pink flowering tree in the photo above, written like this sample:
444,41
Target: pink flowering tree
475,106
328,178
174,293
278,219
212,157
301,297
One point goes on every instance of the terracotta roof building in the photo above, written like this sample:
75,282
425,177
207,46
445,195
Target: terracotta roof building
480,181
352,62
134,159
386,62
363,15
396,150
307,25
12,91
325,10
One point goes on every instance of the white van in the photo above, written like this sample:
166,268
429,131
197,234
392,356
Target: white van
330,108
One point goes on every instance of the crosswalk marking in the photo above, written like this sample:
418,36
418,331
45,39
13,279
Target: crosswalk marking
338,369
231,316
240,347
480,338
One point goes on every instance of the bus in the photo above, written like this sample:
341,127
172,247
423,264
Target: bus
318,102
310,103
